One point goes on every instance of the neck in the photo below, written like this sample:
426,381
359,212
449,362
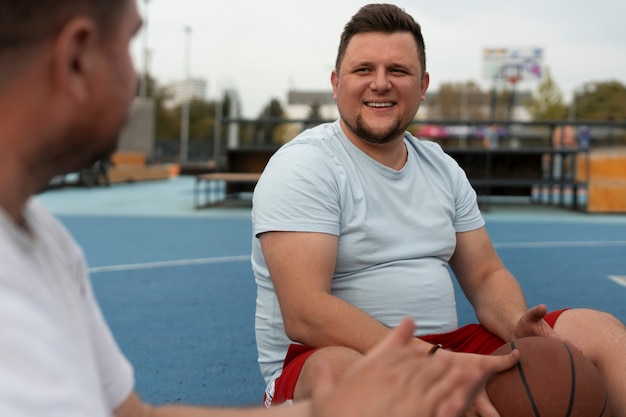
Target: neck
20,176
16,188
394,157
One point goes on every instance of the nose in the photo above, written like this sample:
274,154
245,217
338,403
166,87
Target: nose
380,82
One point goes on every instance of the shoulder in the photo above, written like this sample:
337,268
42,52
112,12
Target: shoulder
429,150
319,137
439,166
44,221
314,149
51,232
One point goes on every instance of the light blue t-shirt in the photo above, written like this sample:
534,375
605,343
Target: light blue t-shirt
397,230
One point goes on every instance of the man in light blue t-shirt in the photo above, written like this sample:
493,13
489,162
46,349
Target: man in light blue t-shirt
356,222
66,85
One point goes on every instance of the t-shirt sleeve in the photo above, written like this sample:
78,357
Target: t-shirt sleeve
117,374
42,374
298,192
467,213
115,371
57,355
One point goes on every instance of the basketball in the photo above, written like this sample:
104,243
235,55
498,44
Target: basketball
551,379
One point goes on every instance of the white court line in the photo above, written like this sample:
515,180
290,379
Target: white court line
620,280
167,264
563,244
240,258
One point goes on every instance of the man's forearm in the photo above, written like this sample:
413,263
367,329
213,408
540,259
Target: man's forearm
500,303
330,321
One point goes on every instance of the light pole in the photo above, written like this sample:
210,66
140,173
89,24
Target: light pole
143,80
184,113
217,133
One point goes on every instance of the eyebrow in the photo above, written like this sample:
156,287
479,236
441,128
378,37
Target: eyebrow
393,64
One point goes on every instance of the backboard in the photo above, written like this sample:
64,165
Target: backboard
512,64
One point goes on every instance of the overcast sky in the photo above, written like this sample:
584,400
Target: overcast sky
264,48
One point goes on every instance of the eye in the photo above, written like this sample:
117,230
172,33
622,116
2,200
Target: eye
398,71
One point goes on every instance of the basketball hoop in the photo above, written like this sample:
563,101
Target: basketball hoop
513,79
500,63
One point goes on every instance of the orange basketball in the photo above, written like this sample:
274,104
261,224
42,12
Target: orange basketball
551,379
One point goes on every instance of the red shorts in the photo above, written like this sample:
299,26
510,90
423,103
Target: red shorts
472,338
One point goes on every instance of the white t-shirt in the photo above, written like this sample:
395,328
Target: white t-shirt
57,355
397,230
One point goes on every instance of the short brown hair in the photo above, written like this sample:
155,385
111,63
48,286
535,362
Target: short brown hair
24,23
386,18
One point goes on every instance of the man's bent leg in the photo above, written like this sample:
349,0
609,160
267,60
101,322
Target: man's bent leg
602,338
280,390
340,359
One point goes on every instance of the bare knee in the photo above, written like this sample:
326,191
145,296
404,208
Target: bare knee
602,338
339,358
597,333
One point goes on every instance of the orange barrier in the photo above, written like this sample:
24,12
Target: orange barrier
128,158
129,166
606,170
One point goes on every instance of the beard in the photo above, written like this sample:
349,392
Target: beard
81,147
69,159
377,137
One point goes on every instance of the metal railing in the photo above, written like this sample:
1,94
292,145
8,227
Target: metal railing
450,134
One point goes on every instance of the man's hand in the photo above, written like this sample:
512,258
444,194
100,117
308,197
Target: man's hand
530,324
533,324
396,380
478,403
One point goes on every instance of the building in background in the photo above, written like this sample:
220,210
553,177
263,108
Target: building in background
302,104
180,91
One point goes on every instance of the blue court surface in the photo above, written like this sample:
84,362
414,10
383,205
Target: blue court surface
176,286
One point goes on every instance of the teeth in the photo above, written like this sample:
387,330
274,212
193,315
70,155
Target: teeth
379,104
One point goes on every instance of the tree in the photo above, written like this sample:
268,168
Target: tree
603,100
151,85
201,120
457,101
267,132
314,116
168,124
167,120
547,102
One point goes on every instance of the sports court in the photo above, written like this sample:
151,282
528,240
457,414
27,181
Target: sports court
176,286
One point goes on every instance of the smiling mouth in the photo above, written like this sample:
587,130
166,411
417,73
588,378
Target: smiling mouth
379,105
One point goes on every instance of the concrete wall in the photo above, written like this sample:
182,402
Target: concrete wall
138,134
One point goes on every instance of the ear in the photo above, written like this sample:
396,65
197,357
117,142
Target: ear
424,84
334,81
73,58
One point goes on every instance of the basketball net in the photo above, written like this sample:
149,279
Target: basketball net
513,79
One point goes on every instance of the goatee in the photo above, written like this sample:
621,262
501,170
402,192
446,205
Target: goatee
369,135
